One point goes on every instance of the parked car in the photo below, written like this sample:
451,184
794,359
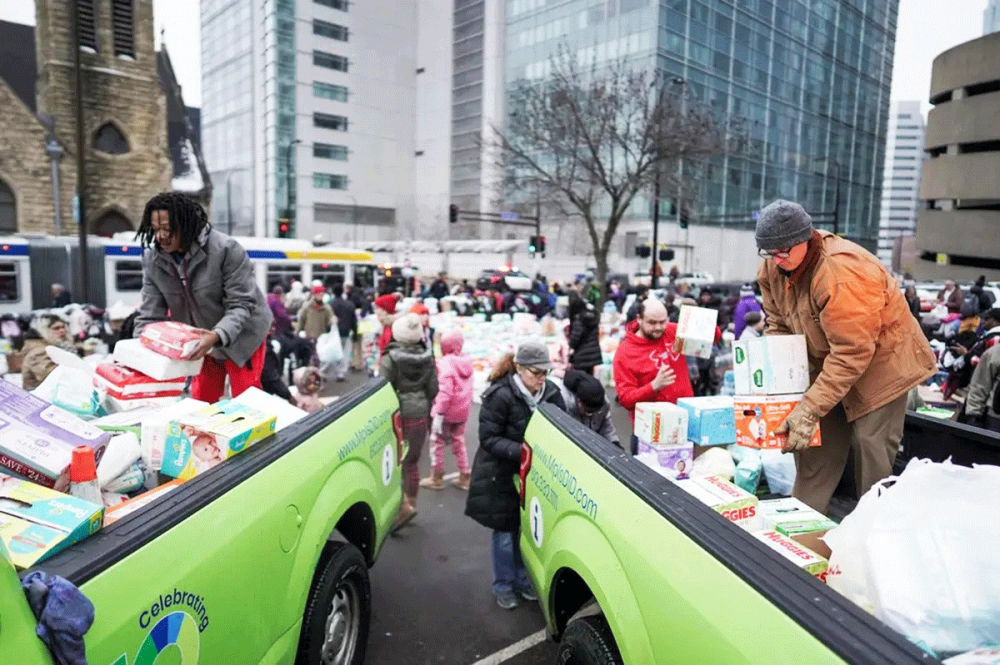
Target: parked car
494,280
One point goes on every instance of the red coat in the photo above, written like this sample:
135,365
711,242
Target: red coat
637,362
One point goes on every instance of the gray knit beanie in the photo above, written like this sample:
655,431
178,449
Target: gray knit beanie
783,224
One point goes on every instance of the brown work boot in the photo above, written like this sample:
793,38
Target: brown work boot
435,481
407,512
462,482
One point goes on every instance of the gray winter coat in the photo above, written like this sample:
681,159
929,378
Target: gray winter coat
212,288
410,369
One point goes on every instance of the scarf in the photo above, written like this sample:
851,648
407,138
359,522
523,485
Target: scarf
533,400
812,253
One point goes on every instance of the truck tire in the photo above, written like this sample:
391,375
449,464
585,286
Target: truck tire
588,641
338,611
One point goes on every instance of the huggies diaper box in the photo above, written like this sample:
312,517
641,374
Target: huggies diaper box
734,503
171,339
799,555
661,423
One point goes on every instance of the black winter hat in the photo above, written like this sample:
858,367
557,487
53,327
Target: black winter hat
587,389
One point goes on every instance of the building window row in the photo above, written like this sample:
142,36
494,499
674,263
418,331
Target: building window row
328,151
342,5
337,93
331,30
330,121
330,61
329,181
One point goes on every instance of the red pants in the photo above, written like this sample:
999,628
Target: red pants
210,384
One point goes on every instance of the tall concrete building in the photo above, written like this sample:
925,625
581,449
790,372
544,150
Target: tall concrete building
904,156
812,79
958,229
309,114
991,17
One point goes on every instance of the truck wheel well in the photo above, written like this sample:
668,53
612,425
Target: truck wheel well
356,526
569,594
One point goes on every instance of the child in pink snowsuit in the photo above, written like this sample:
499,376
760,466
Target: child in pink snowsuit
451,411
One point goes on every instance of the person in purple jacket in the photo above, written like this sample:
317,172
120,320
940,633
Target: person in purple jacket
282,319
748,303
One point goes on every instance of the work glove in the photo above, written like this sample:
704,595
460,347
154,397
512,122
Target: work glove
800,425
437,425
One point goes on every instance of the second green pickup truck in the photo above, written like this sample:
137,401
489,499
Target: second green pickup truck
661,578
262,559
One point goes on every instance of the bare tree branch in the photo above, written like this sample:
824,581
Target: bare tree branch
591,141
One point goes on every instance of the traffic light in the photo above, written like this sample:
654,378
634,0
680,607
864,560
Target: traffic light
682,220
452,213
283,228
643,251
666,255
533,244
541,244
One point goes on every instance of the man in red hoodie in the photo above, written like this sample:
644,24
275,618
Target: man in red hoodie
647,369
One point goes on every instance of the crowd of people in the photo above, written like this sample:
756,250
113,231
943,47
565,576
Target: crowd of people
865,346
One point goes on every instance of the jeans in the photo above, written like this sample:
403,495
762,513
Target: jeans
415,433
509,574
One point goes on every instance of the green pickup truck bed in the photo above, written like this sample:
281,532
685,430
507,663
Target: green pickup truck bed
673,581
262,559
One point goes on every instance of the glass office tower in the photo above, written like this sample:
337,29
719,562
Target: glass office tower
811,78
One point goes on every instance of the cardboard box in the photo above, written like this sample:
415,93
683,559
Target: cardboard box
696,331
259,400
125,383
790,517
37,438
154,428
802,557
171,339
661,423
674,462
36,522
131,353
711,420
123,510
758,416
735,504
771,365
202,439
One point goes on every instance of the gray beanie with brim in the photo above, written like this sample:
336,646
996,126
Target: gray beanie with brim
783,224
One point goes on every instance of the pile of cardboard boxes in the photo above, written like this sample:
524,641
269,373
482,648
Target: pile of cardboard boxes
150,442
771,374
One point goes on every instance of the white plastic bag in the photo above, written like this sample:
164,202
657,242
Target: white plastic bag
715,461
329,349
921,554
779,470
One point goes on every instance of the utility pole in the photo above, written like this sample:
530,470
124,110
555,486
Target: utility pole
81,175
655,254
289,211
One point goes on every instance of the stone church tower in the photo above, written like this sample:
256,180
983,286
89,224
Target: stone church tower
124,106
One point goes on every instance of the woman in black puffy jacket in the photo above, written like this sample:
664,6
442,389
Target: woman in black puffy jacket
584,336
518,387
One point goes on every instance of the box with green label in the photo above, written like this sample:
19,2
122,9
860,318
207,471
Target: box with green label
792,518
771,365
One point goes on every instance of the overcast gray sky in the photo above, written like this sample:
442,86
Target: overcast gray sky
926,28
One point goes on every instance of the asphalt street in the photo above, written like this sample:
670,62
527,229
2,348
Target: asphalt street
431,598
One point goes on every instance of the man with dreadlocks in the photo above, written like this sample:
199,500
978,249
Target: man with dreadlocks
195,275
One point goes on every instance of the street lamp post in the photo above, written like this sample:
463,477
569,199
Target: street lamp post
55,153
289,211
836,192
655,253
